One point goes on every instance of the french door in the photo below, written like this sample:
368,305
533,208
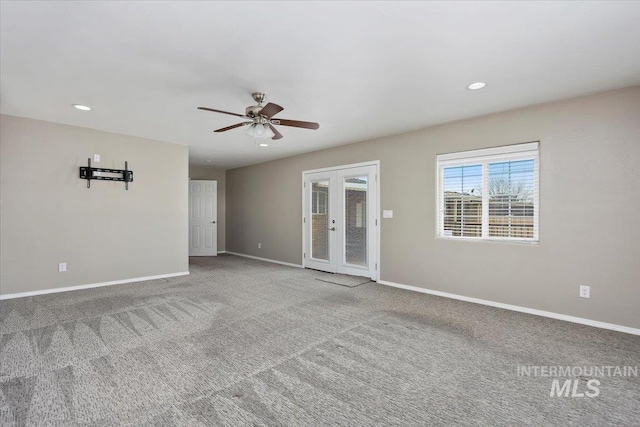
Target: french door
340,220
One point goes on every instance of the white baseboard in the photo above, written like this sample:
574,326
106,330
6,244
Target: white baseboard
222,252
573,319
265,259
91,285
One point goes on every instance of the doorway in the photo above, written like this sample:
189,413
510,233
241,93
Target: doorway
203,218
340,220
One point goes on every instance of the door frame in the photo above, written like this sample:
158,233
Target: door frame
378,225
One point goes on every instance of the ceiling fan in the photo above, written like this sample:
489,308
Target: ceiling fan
261,119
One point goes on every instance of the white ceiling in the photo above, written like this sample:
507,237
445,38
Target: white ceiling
360,69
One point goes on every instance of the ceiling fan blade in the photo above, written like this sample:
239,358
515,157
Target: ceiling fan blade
277,135
295,123
220,111
270,110
232,127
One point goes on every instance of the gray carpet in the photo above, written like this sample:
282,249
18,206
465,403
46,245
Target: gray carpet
243,342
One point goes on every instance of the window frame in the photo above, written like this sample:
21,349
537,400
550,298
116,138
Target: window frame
315,196
526,151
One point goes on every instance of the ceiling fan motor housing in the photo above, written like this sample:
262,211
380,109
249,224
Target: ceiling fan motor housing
253,110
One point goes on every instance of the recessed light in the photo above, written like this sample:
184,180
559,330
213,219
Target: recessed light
264,145
82,107
477,85
208,161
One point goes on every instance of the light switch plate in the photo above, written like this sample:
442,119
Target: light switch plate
62,267
387,214
585,291
96,158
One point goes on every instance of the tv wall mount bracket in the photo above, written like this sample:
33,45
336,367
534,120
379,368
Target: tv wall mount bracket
89,173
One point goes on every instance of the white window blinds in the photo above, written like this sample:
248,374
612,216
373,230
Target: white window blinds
489,194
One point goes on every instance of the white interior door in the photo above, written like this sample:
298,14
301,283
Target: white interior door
340,221
203,218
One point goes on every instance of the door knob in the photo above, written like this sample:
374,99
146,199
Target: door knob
332,229
213,222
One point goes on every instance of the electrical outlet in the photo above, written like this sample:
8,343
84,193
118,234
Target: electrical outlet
96,158
585,291
62,267
259,245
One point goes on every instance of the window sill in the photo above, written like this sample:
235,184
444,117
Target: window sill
490,240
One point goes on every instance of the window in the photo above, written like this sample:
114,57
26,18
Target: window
489,194
319,202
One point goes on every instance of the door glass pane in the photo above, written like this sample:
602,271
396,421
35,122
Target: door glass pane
320,220
355,220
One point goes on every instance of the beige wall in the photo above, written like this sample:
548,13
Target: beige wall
48,215
220,175
589,208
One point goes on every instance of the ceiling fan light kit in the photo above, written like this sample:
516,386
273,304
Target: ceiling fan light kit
260,131
261,124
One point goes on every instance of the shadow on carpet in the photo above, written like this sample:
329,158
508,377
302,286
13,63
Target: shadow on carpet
344,280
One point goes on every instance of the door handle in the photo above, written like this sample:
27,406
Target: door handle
213,222
332,229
